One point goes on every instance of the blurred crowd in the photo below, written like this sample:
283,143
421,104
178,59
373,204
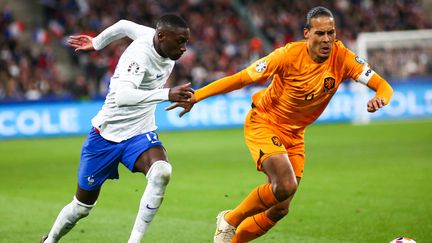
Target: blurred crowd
222,41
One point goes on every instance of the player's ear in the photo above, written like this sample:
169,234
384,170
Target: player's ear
306,33
161,36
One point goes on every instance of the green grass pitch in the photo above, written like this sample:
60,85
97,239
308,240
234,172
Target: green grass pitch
362,184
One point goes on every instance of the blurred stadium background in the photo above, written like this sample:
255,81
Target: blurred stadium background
48,90
38,69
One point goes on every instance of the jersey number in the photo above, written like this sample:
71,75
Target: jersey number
152,137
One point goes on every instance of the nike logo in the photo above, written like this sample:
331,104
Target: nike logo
159,75
151,208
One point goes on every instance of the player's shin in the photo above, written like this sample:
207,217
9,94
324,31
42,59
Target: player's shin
252,228
158,177
67,219
260,199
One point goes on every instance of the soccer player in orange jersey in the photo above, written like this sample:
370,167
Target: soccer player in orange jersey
305,76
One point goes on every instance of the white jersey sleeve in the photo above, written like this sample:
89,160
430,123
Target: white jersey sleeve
130,73
128,94
119,30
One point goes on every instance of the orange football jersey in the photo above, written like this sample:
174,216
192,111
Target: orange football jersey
300,89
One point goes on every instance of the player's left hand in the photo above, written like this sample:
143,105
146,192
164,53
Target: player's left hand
375,104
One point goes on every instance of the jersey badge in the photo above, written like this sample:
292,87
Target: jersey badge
329,84
133,68
360,60
261,66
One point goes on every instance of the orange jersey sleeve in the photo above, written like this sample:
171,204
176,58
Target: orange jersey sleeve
244,77
301,89
223,85
382,88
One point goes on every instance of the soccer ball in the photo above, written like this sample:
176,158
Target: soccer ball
403,240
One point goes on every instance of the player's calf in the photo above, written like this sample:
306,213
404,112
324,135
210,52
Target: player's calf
158,178
67,219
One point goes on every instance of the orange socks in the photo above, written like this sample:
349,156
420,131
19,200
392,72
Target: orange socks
260,199
252,228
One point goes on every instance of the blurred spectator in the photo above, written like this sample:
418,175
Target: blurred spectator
402,63
28,72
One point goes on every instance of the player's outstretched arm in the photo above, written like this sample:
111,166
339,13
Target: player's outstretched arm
128,94
220,86
116,31
81,42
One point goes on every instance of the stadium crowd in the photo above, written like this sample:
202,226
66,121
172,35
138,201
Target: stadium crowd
222,42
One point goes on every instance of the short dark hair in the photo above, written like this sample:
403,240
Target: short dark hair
315,13
172,20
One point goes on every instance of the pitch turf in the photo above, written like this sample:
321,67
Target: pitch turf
361,184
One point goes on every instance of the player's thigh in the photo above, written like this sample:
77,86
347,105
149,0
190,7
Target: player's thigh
148,157
87,197
99,162
143,151
264,140
261,140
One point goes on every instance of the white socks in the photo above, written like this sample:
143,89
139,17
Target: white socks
158,177
67,219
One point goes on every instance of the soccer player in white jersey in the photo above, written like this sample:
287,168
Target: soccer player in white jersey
124,129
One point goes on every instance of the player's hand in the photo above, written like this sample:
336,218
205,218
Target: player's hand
187,106
375,104
181,93
81,42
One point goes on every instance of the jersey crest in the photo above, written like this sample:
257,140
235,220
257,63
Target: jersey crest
329,84
276,141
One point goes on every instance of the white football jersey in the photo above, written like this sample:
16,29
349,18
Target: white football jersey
130,112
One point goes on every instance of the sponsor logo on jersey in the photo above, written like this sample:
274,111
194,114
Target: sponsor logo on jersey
276,141
329,84
261,66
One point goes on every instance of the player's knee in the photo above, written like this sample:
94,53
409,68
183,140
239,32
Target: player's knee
81,210
284,189
159,172
281,211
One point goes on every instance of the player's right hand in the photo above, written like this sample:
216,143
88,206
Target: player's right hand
187,106
81,42
375,104
181,93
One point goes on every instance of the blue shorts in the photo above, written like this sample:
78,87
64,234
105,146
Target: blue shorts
100,157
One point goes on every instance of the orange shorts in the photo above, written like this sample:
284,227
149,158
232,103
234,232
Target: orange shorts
263,140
